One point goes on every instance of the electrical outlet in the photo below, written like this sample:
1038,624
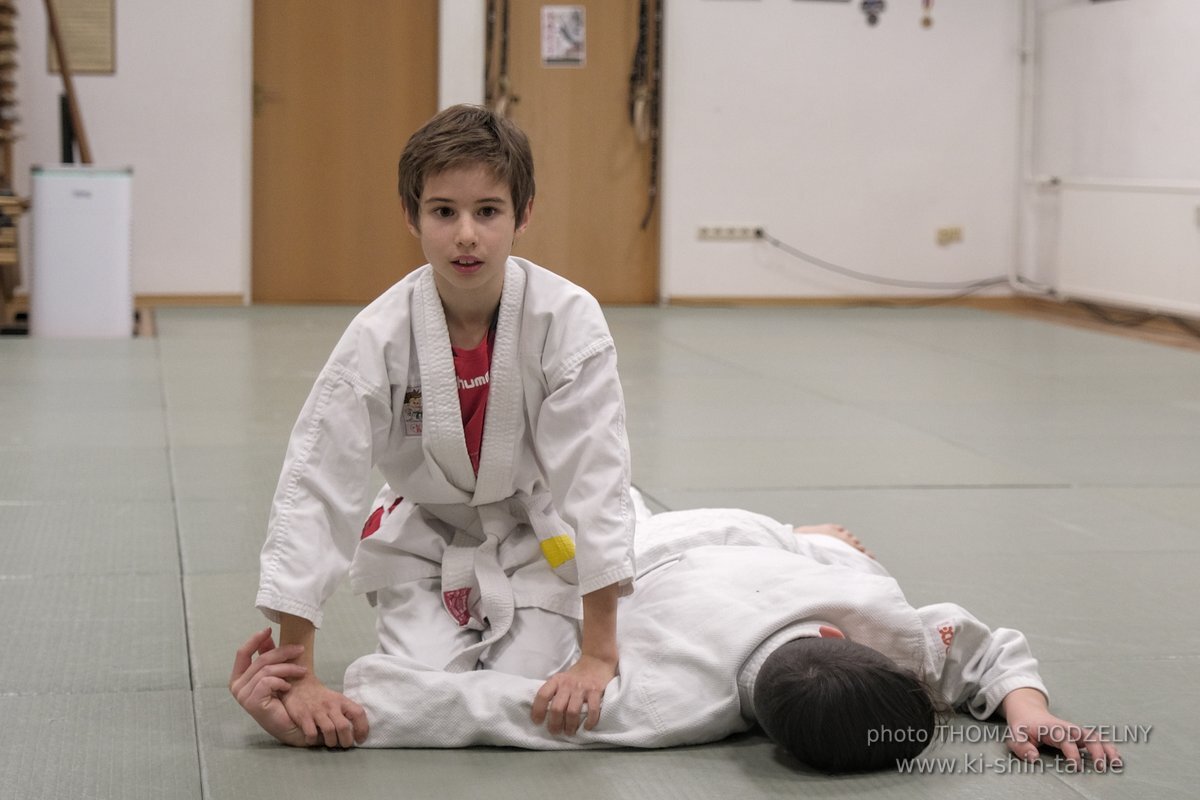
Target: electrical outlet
949,235
729,233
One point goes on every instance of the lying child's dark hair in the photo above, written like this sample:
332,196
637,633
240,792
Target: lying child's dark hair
839,706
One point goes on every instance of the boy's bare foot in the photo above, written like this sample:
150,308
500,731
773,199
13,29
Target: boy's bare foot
837,532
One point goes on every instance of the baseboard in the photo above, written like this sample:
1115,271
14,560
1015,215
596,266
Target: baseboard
20,302
1172,330
161,300
1004,303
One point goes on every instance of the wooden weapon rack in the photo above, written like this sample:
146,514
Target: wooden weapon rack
11,206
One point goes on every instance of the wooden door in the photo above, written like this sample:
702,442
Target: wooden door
339,88
592,173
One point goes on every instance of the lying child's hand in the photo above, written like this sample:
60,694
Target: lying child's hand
559,703
288,702
1031,723
258,684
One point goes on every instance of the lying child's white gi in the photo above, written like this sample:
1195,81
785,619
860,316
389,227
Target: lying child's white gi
718,591
465,548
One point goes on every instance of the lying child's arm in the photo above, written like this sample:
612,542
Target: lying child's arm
989,671
259,683
279,690
323,715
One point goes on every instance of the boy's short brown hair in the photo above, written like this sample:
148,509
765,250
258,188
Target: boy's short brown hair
466,135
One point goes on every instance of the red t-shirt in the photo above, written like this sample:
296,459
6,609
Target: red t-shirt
473,370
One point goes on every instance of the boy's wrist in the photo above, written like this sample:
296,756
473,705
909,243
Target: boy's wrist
600,624
606,654
298,630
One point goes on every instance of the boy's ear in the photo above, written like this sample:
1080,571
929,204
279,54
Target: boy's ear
525,219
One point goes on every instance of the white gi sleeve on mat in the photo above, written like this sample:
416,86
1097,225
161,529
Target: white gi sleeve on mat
973,665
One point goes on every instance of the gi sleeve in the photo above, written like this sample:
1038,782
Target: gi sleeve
320,501
584,450
973,666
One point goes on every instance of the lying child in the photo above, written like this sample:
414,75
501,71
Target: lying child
737,619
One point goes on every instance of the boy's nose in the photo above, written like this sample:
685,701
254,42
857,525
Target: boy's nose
465,234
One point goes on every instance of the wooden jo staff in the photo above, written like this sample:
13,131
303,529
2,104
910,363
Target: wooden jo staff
85,152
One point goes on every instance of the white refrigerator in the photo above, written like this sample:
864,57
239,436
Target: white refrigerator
80,281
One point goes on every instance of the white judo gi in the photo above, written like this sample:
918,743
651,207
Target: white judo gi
549,516
718,591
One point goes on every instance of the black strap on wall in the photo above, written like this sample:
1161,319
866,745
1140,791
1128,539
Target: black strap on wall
655,97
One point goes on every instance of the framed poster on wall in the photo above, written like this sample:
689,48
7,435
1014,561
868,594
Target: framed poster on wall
564,36
88,30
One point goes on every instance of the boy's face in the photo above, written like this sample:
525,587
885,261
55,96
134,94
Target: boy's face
467,226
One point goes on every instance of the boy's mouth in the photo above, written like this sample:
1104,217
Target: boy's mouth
467,264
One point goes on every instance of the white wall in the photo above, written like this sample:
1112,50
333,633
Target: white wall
462,38
1119,90
178,110
1117,124
850,142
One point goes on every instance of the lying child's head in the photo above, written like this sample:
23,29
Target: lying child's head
466,136
839,706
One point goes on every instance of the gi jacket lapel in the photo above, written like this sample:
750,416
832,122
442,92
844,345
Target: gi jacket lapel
442,437
504,417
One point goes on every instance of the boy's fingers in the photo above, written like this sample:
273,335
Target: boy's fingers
572,711
593,713
245,653
538,712
572,715
267,689
556,717
358,719
541,702
309,728
328,729
346,733
293,671
267,644
277,655
335,727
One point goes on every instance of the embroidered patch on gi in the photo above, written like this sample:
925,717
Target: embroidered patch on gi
376,518
373,522
411,413
558,550
456,602
946,632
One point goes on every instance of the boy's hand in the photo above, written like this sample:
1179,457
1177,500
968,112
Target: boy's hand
1031,723
258,684
288,702
560,701
323,715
